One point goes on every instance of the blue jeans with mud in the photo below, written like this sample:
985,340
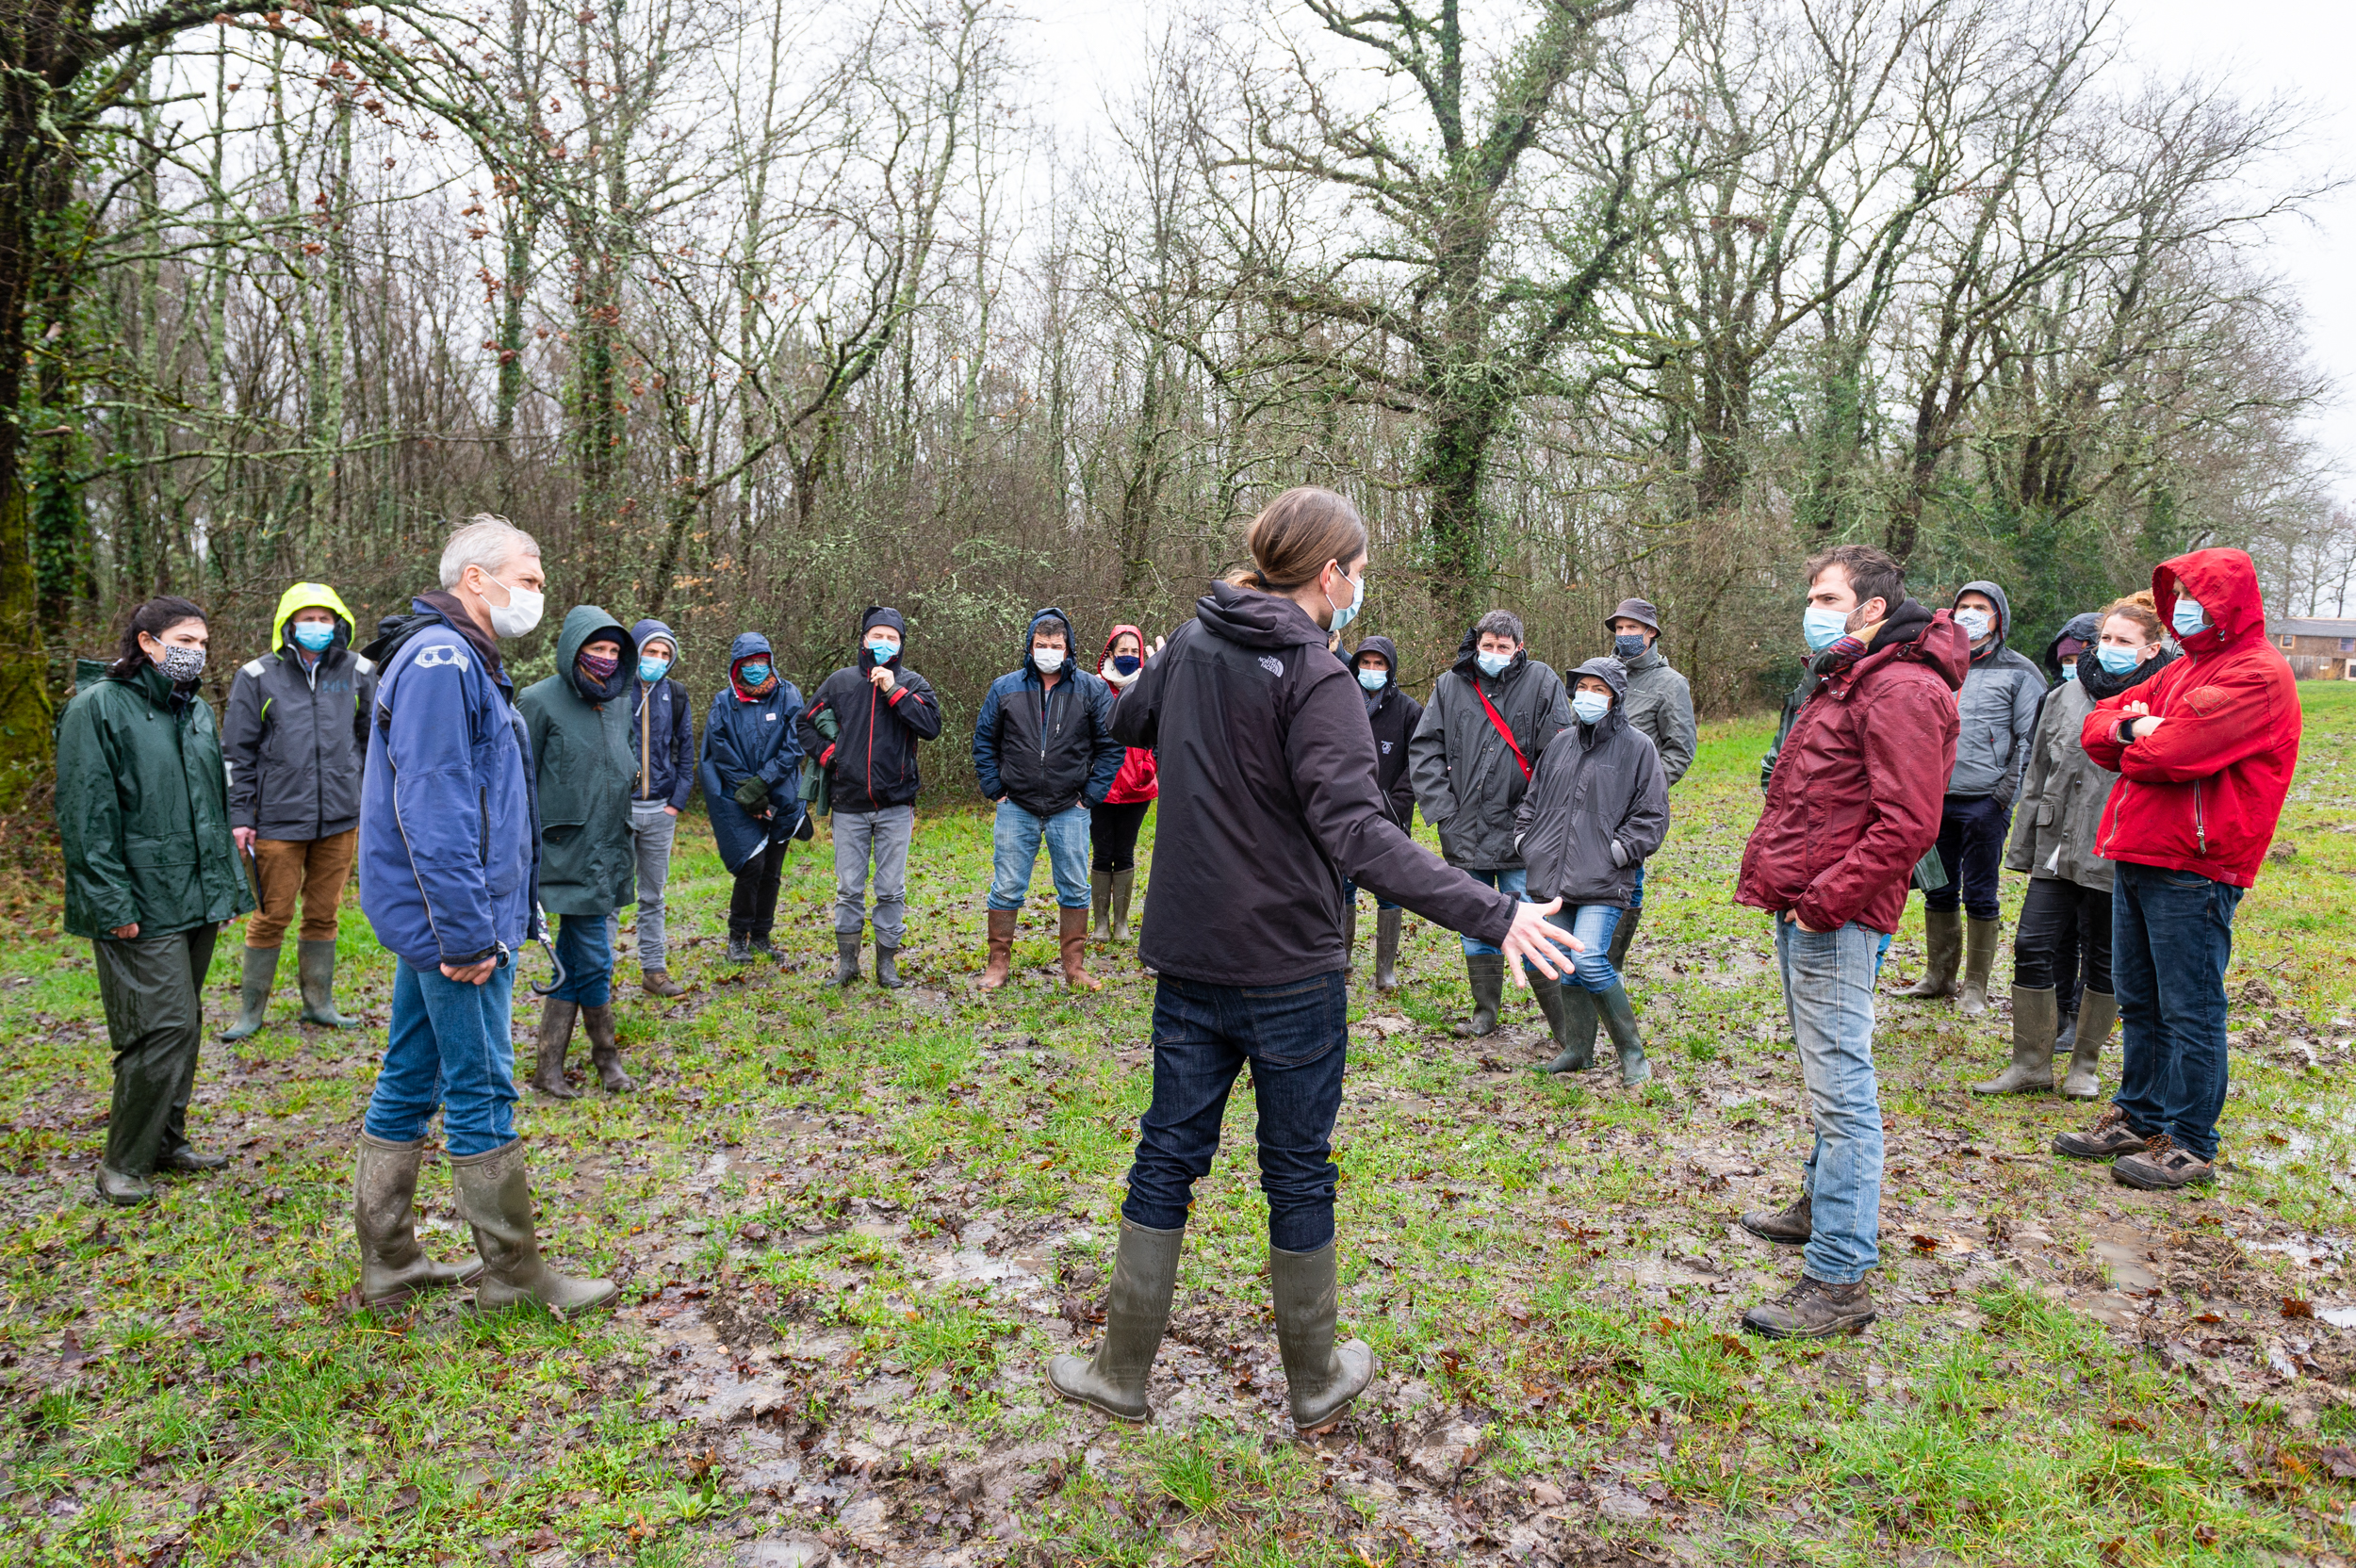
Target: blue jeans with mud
1295,1038
1828,991
2172,937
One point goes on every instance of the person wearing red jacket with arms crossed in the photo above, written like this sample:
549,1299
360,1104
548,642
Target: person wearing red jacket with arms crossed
1855,800
2205,751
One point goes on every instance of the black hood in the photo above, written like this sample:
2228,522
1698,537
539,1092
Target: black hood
875,615
1469,655
1390,658
1255,620
1614,675
2085,628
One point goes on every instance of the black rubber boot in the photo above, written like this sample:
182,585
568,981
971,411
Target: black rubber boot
261,973
605,1051
1485,974
1619,1021
887,969
1578,1031
1623,937
1137,1310
555,1039
1548,995
1942,935
845,957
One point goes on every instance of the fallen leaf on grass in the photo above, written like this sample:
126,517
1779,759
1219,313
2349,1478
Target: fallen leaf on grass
2340,1459
403,1500
1519,1315
2208,1317
2298,1306
2128,1424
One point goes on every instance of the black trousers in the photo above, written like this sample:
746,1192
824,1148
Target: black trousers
150,988
753,902
2056,918
1113,833
1972,847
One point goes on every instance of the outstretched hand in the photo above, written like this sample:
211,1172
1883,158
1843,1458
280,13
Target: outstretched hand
1538,942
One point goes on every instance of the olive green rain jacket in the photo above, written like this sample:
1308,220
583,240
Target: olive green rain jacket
143,811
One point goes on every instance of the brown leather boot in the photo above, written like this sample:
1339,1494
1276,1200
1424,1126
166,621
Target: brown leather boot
658,982
1001,950
556,1039
605,1052
1073,932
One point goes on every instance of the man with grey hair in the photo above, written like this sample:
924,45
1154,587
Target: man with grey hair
450,856
1471,759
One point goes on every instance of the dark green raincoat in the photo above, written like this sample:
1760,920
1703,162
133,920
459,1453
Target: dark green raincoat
143,811
581,757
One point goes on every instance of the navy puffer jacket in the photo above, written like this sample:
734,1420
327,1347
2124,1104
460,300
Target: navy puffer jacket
751,737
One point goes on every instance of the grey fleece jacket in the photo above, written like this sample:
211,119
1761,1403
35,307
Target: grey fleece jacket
1997,710
1660,707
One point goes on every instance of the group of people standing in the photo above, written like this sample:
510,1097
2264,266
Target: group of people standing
1286,771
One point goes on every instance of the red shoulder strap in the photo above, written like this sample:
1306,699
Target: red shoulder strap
1499,720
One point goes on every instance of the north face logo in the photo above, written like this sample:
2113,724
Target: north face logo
1274,665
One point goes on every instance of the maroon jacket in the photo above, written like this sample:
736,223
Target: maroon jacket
1856,796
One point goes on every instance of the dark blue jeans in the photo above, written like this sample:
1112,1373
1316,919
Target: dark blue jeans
2172,937
1296,1037
1972,847
450,1049
584,945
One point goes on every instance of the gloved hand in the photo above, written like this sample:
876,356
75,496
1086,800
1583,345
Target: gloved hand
753,793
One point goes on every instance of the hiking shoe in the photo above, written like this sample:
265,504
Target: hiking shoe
1787,1227
2107,1137
1812,1310
2162,1165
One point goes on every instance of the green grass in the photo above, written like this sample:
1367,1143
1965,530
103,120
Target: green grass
1549,1261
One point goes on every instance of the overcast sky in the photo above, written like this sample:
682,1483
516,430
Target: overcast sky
2304,48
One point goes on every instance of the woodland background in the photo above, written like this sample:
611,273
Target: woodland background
758,312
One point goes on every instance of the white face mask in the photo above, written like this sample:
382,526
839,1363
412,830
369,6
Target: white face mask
1974,623
519,614
1048,660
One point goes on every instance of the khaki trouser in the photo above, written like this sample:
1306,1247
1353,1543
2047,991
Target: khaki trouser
316,868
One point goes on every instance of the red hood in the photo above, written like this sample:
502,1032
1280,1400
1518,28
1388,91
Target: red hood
1115,637
2226,583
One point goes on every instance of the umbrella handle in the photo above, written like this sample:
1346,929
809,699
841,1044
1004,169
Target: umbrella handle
550,948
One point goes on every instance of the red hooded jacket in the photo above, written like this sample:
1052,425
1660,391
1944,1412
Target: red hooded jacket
1858,786
2202,791
1137,780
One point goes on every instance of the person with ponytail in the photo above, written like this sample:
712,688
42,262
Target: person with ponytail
1267,777
151,872
2067,908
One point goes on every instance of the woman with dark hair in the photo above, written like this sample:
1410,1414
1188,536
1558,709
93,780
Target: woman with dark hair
151,872
1267,779
2068,909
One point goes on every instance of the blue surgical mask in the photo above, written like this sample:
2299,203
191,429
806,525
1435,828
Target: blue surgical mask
1823,627
882,653
752,675
2116,660
1492,665
1590,705
1345,614
1374,680
1628,646
1974,623
2188,616
651,670
314,635
2069,670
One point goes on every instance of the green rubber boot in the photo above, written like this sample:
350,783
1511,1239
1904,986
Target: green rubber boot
261,973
